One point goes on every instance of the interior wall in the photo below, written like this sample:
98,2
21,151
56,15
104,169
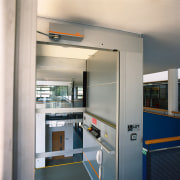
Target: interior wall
68,139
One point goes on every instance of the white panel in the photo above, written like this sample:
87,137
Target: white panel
172,90
154,77
40,132
40,162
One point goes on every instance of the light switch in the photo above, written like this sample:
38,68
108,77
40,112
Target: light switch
133,136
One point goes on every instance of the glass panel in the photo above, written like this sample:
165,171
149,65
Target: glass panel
156,95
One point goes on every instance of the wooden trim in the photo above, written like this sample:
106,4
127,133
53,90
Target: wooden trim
175,112
162,114
155,109
162,140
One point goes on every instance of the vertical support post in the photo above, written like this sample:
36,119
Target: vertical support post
84,88
72,94
24,91
172,90
7,45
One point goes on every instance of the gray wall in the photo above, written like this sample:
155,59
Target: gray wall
131,112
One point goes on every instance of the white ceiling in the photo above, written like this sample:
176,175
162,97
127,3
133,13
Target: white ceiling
61,63
60,69
64,51
157,20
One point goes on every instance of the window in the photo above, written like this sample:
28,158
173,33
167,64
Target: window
80,93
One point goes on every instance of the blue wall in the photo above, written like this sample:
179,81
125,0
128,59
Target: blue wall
157,126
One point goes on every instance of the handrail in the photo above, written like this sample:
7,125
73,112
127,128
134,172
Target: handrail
175,112
152,111
109,151
102,120
162,140
155,109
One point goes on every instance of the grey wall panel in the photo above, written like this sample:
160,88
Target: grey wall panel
95,37
131,108
7,46
90,147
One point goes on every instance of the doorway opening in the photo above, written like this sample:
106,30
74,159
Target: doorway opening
71,81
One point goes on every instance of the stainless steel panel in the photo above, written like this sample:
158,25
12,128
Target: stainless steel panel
102,68
102,102
91,146
102,85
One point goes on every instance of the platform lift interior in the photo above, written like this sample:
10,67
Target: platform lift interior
99,120
112,135
100,91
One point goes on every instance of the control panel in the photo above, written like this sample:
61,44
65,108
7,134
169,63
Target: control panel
95,131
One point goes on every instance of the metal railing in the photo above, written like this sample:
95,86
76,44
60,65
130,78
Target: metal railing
163,163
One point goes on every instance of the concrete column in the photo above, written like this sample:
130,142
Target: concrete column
7,41
24,91
172,90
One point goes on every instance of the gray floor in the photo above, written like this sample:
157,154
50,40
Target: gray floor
75,158
64,172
